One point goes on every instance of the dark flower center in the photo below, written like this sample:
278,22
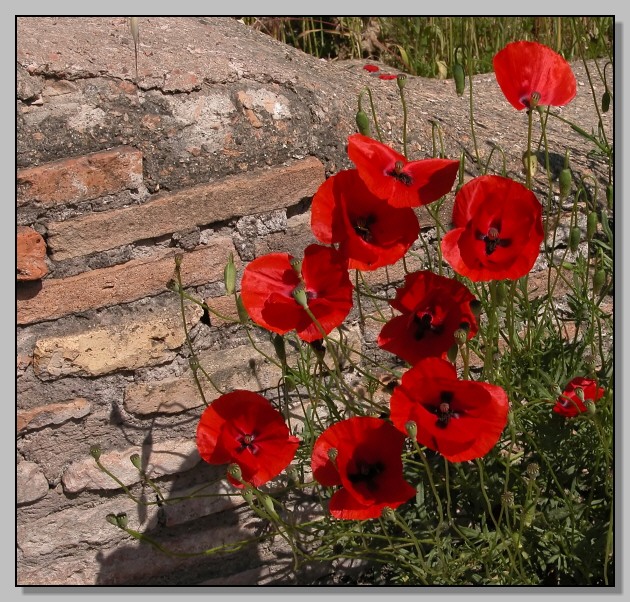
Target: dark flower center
247,442
362,227
492,239
400,175
366,472
443,410
423,323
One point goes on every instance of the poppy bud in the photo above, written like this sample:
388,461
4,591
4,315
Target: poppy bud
451,354
566,180
412,429
460,78
229,275
363,123
95,451
530,163
591,225
609,196
599,279
243,316
574,238
605,101
280,349
135,460
268,504
234,470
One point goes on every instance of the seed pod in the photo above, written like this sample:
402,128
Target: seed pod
599,279
574,238
605,101
460,78
363,123
565,182
591,225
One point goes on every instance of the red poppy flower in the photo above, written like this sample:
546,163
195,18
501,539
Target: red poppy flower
531,74
370,232
270,281
569,403
432,308
387,76
243,428
460,419
498,230
368,466
388,175
371,68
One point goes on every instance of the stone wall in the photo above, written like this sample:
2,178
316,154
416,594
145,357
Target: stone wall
217,150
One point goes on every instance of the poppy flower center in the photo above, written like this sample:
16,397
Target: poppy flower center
532,101
366,472
399,173
492,239
247,442
443,411
423,323
362,227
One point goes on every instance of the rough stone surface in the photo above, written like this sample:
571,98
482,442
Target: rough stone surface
157,460
80,178
31,254
31,483
121,283
54,413
239,368
245,194
124,347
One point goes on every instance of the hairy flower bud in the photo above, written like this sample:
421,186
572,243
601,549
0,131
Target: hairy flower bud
599,279
591,225
460,78
229,275
243,316
363,123
135,460
280,348
575,234
605,101
566,180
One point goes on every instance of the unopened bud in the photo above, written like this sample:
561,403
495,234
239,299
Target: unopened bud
599,279
135,460
530,163
591,225
605,101
476,307
575,234
566,180
280,348
229,275
269,507
412,429
460,78
451,354
363,123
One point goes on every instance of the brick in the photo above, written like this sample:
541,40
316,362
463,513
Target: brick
31,484
80,178
225,306
122,347
31,254
239,368
54,413
159,459
122,283
250,193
